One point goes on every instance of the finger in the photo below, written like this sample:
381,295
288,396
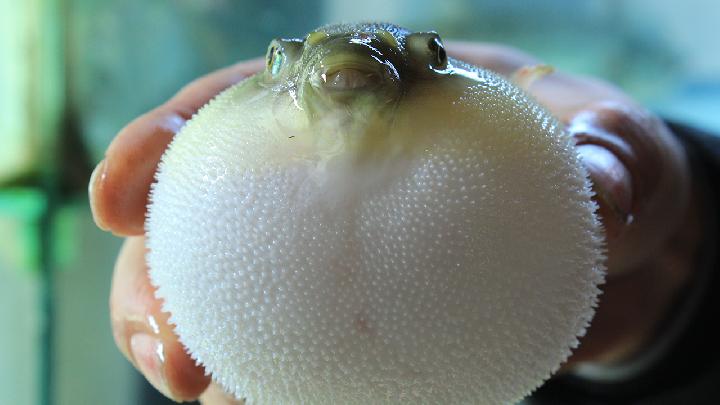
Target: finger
142,332
612,187
640,176
562,94
120,184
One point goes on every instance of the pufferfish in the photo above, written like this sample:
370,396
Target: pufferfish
371,221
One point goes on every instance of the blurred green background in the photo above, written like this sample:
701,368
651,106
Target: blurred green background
73,72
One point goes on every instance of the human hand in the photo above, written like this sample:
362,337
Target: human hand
638,169
646,201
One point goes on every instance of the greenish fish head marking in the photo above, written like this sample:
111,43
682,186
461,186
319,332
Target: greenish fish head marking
361,69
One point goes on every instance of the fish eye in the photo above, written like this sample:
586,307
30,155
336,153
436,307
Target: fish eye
275,59
427,48
437,51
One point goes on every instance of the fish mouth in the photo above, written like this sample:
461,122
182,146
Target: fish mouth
351,65
349,78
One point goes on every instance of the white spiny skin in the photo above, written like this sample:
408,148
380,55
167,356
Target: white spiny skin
453,258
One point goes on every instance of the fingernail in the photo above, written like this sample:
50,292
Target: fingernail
97,176
611,180
175,122
149,357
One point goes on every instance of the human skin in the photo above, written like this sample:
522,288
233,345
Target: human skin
638,169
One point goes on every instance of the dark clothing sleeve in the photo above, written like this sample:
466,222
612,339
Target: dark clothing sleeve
688,372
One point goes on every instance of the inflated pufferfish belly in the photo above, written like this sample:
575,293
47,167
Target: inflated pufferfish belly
369,222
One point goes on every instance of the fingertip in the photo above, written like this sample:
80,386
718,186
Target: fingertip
164,363
148,356
612,185
186,378
121,183
170,368
113,210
